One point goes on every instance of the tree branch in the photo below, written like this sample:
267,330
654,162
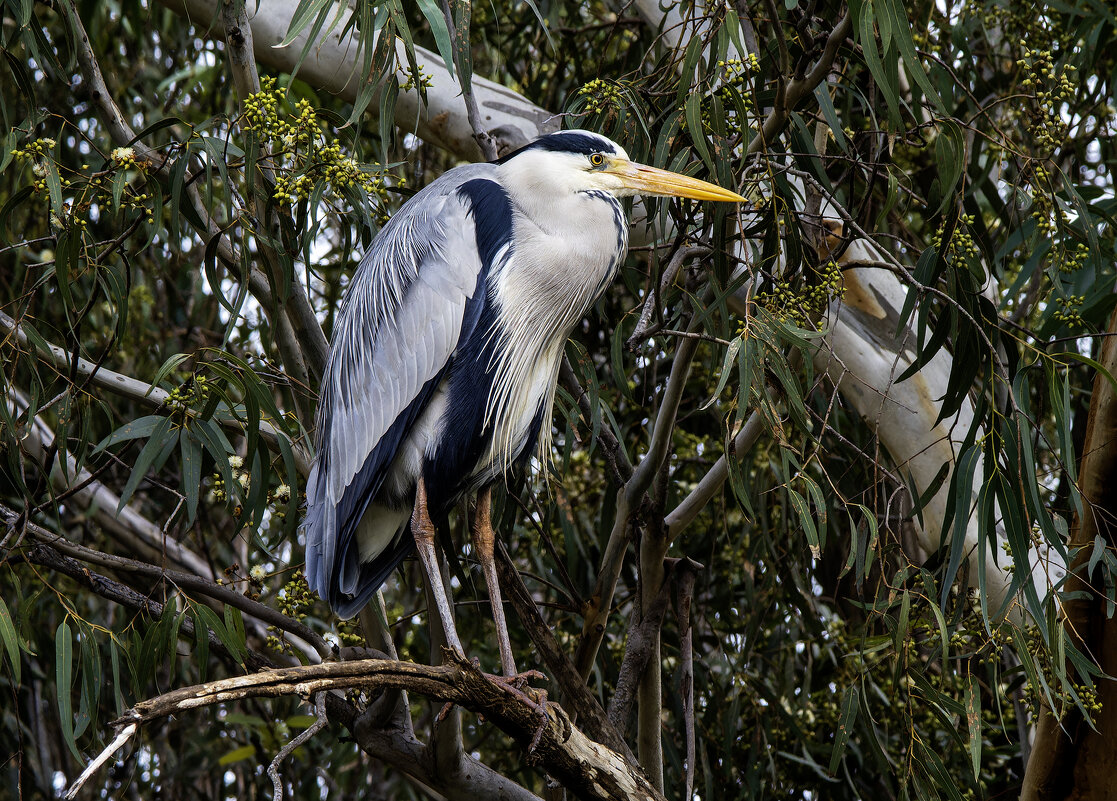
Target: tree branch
642,633
331,65
129,526
138,391
586,768
177,579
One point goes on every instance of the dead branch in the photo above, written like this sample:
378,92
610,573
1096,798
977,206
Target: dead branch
589,770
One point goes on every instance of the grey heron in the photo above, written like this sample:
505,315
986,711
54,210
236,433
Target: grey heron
446,350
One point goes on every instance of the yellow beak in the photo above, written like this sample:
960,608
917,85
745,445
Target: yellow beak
653,181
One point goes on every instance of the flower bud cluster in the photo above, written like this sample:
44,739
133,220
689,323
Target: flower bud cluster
961,244
424,81
600,96
303,156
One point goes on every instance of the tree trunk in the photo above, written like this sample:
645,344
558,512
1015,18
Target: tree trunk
1073,760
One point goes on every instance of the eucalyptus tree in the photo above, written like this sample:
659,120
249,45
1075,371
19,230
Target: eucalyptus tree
814,479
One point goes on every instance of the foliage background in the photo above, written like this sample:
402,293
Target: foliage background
973,140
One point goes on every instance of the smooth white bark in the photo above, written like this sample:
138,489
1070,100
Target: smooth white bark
863,356
332,64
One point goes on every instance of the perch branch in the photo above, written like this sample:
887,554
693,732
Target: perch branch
585,767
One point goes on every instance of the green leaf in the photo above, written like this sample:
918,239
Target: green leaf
958,506
170,364
973,723
441,32
950,160
697,131
305,12
802,509
64,685
136,429
885,81
234,626
201,644
215,624
237,755
898,24
845,726
725,372
152,457
11,640
191,450
903,624
119,183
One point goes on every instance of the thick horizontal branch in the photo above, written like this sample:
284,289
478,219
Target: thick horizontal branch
586,768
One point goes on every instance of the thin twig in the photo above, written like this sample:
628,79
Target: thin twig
134,389
311,730
484,139
184,581
652,304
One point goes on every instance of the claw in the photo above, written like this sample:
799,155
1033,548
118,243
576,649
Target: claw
517,685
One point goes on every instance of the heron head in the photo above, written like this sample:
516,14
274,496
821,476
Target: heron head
580,161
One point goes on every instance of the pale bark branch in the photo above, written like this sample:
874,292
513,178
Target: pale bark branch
332,65
586,768
711,483
295,362
642,632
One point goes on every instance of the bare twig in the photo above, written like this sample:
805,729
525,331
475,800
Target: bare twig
798,89
617,459
596,613
664,425
184,581
319,723
652,304
131,528
484,140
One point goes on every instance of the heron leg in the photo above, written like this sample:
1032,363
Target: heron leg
422,528
484,540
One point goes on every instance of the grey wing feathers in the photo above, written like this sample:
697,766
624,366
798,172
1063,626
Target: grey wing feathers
396,331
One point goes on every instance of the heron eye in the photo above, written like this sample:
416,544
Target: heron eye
597,159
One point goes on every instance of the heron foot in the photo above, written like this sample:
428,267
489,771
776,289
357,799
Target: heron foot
535,697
